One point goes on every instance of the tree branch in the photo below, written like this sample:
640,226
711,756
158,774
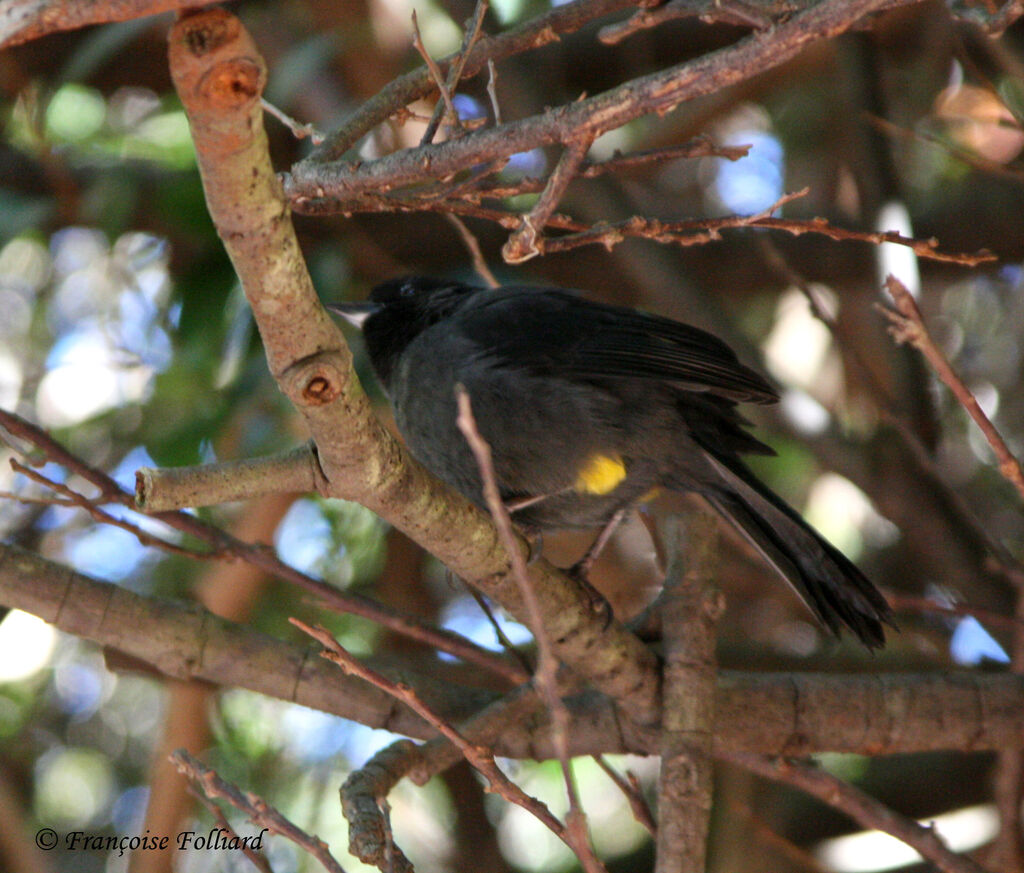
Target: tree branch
656,93
690,607
216,69
861,807
765,713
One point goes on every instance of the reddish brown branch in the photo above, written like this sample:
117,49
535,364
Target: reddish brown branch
584,119
439,80
470,36
860,807
907,325
24,20
406,89
545,676
258,811
525,242
480,758
737,12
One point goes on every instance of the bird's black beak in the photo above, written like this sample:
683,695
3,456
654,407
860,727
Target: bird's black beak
354,313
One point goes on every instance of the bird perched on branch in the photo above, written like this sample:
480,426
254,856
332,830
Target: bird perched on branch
588,408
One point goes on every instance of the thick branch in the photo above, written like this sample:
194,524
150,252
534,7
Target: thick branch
690,609
161,490
777,714
24,20
218,74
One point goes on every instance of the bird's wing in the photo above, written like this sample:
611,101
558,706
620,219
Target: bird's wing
564,334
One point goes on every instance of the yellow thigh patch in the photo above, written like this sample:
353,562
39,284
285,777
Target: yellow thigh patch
601,474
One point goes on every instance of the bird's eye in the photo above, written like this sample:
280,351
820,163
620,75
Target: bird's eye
407,290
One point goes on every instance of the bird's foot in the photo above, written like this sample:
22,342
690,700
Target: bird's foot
596,601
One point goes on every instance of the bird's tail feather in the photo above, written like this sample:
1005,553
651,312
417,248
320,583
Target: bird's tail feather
831,586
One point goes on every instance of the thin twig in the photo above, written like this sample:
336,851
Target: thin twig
972,159
299,130
439,80
630,788
473,246
492,90
699,147
891,415
859,806
763,831
525,243
724,11
586,119
259,812
90,506
545,676
907,325
478,756
687,232
258,859
470,36
909,603
499,632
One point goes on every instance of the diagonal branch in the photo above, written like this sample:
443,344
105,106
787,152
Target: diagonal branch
655,93
907,325
859,806
218,73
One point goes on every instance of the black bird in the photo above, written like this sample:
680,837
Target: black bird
588,408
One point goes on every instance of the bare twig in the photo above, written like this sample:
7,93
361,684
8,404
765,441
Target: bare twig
406,89
584,119
470,36
909,603
478,756
725,11
473,246
258,811
763,831
971,158
687,232
299,130
90,506
525,243
907,325
439,81
860,807
700,231
699,147
547,664
492,90
630,788
890,413
258,859
499,632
